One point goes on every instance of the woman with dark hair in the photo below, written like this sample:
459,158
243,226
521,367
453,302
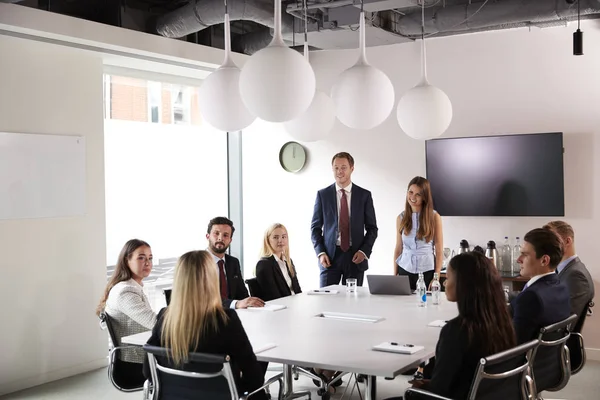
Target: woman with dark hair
483,326
125,302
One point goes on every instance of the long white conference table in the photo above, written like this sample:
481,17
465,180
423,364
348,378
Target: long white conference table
338,332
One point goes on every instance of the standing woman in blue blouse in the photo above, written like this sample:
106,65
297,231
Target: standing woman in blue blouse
419,237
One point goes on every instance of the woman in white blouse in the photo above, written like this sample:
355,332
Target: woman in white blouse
275,271
124,299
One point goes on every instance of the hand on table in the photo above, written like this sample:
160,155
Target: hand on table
250,302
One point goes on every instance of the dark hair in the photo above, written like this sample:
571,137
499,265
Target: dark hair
220,221
546,242
426,216
563,229
345,155
122,272
481,302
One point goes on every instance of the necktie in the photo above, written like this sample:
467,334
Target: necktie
344,223
222,279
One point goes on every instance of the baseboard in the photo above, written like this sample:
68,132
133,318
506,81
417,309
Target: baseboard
30,382
592,354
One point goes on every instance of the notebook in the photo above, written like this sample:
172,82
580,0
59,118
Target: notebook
438,323
396,347
268,307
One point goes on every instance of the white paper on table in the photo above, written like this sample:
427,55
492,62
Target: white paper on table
268,307
438,323
263,347
392,347
323,292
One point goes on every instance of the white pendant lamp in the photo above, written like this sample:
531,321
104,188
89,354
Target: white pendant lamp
425,111
363,95
277,84
318,120
219,96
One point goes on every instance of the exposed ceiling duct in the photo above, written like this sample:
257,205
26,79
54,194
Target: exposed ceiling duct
198,15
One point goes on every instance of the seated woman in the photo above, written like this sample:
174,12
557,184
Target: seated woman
275,272
126,304
483,326
195,321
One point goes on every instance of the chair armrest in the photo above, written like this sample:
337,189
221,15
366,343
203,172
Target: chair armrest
113,351
271,381
424,394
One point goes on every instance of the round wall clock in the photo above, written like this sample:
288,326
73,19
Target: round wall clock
292,157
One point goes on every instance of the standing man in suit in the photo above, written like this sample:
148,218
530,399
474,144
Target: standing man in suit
233,290
571,270
344,227
544,300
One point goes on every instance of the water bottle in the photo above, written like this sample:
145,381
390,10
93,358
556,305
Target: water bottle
506,256
435,289
515,256
422,291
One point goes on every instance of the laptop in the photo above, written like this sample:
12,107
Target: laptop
389,284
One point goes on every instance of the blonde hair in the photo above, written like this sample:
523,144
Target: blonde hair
195,308
268,251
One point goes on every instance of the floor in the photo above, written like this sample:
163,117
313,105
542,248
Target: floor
95,386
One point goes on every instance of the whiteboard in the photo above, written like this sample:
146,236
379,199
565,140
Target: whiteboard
41,176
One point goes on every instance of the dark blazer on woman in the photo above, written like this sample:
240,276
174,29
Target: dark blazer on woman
271,280
229,338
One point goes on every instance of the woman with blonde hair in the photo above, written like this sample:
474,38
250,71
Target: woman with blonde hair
195,321
275,271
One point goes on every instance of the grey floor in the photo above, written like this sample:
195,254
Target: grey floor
95,385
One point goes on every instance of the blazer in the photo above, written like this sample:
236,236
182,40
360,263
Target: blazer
236,289
543,303
130,311
229,339
271,280
581,286
363,224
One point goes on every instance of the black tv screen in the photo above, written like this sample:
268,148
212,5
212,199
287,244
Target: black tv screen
512,175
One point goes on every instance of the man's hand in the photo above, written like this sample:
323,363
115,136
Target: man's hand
324,260
250,302
358,257
418,384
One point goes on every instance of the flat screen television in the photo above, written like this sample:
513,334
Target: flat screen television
510,175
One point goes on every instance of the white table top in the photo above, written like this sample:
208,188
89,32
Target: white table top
306,340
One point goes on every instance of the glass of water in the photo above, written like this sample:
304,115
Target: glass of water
351,285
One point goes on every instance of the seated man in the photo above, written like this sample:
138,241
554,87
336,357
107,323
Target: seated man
544,300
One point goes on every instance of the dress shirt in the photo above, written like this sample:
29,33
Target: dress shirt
563,264
217,259
536,278
284,270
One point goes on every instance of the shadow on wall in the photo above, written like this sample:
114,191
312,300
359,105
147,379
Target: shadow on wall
579,175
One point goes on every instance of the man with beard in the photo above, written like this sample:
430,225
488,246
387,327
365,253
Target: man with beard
233,290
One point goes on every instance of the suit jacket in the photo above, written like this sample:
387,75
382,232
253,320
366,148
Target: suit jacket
363,224
581,286
543,303
236,289
271,280
230,339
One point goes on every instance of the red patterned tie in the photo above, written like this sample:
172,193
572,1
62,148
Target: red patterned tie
222,279
344,223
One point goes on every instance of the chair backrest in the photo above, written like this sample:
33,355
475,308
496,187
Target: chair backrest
254,287
504,375
551,360
105,321
203,376
576,344
581,321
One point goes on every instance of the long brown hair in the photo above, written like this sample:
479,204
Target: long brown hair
268,251
122,272
426,216
195,307
481,302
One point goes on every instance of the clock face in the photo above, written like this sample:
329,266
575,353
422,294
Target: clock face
292,157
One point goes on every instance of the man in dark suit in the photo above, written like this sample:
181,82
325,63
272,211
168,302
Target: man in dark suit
571,270
344,227
544,300
233,290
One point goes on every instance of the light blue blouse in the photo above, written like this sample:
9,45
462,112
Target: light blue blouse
417,254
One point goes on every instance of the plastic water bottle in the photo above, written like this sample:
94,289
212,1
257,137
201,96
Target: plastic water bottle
435,289
506,256
422,291
515,256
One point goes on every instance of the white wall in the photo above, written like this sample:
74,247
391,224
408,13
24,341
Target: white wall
52,270
499,82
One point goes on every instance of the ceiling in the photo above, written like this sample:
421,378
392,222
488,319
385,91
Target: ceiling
332,23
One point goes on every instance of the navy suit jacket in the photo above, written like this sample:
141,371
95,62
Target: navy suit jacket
541,304
363,224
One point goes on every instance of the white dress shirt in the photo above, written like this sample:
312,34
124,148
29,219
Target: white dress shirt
285,272
217,259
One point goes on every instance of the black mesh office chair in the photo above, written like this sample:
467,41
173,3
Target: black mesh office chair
254,288
575,343
206,376
499,377
125,376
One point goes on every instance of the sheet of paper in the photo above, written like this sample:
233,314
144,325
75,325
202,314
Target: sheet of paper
323,291
393,347
438,323
268,307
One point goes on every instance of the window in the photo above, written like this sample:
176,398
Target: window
154,101
181,104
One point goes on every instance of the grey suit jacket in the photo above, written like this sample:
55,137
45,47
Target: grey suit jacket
581,286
